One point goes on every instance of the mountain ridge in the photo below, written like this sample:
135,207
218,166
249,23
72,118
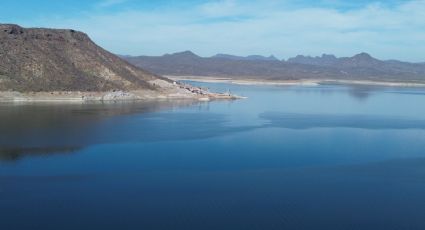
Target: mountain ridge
249,57
361,66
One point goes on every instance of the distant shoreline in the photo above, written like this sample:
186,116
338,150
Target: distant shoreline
306,82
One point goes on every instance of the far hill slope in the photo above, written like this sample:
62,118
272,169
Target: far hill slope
62,60
359,67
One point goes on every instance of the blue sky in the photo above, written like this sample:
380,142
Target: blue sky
392,29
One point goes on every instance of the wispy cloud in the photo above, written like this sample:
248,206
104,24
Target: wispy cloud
262,27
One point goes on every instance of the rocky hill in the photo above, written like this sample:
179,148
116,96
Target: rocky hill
359,67
43,60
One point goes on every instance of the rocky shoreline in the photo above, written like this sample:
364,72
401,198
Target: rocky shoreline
13,96
166,90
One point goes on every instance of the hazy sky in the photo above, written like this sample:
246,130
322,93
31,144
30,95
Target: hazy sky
390,29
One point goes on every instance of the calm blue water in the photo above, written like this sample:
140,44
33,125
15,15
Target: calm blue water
320,157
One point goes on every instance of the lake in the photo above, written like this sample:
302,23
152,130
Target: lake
299,157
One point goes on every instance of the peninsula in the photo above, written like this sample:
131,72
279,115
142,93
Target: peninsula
38,64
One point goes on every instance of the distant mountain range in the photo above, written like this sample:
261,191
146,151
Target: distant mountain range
359,67
247,58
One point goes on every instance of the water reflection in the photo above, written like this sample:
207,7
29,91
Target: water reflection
13,154
361,94
30,130
39,129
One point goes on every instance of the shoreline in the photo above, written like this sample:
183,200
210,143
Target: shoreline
182,91
88,97
301,82
165,91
